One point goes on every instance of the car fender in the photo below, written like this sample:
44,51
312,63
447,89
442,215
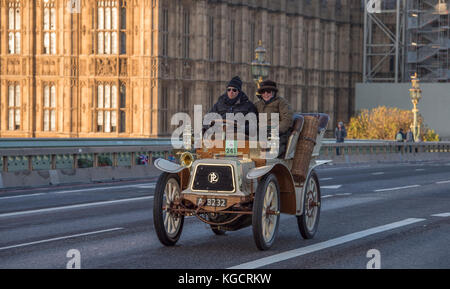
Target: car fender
168,166
173,168
256,173
285,182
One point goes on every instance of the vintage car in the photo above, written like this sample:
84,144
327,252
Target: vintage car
230,189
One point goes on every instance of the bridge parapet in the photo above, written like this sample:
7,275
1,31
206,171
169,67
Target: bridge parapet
28,162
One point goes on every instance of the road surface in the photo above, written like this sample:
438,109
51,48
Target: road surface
387,216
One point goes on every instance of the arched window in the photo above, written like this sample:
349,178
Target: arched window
110,108
14,26
14,111
49,116
111,22
49,29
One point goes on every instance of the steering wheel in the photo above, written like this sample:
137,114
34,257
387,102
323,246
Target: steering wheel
233,123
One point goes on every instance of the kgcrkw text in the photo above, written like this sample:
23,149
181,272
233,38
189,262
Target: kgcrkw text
231,278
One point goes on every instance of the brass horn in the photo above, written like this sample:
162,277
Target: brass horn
186,159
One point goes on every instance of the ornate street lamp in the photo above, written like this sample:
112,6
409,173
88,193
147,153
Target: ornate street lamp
415,93
260,68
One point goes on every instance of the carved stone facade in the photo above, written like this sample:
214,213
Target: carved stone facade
123,68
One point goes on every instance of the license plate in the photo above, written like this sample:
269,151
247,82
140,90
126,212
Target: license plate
231,148
212,202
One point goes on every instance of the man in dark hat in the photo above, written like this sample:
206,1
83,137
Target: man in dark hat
269,102
234,100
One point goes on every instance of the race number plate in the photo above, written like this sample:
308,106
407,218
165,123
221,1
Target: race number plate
231,148
212,202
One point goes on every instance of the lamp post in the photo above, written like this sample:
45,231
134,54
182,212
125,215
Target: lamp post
415,93
260,68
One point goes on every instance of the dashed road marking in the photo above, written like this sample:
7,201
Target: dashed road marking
397,188
21,196
443,215
326,179
47,210
378,173
60,238
331,187
443,182
149,186
336,195
144,186
324,245
100,188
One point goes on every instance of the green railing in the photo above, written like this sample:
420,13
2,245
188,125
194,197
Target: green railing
54,154
50,154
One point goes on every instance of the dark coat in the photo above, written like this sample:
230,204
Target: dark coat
224,105
340,134
409,136
241,104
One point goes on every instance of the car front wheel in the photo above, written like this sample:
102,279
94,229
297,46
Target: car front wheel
266,212
168,224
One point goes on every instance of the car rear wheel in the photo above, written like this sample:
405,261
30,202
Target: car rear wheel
168,225
266,212
308,222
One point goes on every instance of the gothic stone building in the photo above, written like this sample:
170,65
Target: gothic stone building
122,68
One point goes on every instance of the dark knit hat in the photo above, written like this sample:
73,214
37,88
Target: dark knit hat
236,82
268,85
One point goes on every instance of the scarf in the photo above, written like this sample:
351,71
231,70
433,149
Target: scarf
233,101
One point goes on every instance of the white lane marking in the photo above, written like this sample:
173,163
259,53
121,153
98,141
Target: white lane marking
335,195
378,173
331,187
60,238
149,186
326,179
21,196
344,194
443,182
100,188
397,188
324,245
13,214
146,186
444,215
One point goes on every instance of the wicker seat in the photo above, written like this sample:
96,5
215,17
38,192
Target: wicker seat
323,119
296,129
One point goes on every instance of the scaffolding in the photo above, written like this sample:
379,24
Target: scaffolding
384,40
428,39
403,37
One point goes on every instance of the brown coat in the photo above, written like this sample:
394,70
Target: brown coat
279,105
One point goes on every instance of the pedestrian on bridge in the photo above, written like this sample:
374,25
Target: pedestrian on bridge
400,137
340,133
409,139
